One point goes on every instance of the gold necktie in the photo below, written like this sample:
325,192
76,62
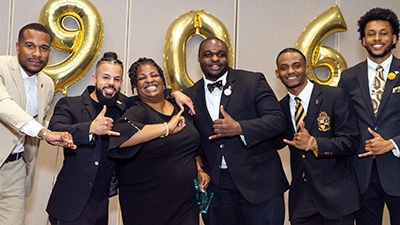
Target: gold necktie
299,114
378,87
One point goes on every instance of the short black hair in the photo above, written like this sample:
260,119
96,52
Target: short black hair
34,26
290,50
379,14
212,38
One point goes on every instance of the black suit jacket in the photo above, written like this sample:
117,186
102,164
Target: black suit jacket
330,177
256,168
74,183
387,123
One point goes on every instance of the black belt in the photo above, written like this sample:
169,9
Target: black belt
14,157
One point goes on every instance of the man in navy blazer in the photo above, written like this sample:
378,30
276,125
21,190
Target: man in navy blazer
238,119
377,164
324,188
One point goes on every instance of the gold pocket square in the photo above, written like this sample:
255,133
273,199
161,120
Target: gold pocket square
396,89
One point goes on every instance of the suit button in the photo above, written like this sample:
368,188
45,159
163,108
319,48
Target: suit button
303,156
96,163
221,146
376,128
90,184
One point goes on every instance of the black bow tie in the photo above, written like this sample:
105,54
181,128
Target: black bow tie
212,86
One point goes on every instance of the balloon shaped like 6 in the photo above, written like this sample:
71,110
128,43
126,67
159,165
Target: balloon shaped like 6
329,22
83,44
179,32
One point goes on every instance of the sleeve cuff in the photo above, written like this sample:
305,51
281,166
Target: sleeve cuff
395,151
31,128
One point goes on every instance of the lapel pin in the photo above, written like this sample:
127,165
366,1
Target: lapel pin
228,91
316,102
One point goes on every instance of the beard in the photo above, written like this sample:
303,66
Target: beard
107,100
387,50
30,71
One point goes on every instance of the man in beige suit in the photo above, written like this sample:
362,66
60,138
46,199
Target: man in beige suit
25,97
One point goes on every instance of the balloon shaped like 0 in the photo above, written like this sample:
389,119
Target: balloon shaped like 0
82,44
329,22
179,32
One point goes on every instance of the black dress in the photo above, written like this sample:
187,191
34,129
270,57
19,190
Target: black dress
156,178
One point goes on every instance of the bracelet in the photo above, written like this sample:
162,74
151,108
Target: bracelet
45,133
310,143
201,169
167,131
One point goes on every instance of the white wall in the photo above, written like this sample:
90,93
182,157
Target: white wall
259,30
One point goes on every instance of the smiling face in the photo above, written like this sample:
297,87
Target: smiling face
379,40
107,80
33,51
292,71
150,85
213,58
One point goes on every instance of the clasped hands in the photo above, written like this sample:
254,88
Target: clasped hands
62,139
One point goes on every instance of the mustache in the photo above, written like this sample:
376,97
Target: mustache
110,86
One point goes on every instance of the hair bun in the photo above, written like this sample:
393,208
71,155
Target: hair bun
110,55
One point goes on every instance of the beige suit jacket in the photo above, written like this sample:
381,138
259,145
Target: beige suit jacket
13,115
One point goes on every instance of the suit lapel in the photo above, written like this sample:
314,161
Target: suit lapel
42,98
201,101
230,84
389,85
362,76
313,106
286,109
17,77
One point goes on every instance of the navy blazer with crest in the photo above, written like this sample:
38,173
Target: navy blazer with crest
330,177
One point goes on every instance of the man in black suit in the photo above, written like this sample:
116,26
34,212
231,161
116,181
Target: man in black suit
84,184
377,164
324,188
238,120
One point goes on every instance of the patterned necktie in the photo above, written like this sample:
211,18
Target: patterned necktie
212,86
299,114
378,87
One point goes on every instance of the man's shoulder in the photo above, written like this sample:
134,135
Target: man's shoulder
6,61
6,58
355,67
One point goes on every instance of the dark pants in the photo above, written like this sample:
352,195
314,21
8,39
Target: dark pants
234,209
373,201
317,219
94,213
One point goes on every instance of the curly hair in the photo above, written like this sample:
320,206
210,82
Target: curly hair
379,14
132,72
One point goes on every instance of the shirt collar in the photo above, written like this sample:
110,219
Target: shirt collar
25,76
223,78
385,64
305,94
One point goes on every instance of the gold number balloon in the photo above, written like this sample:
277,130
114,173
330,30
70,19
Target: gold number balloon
179,32
83,44
309,42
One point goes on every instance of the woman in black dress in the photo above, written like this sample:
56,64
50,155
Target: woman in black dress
160,152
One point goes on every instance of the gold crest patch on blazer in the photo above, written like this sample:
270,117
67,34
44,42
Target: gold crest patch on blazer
324,122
